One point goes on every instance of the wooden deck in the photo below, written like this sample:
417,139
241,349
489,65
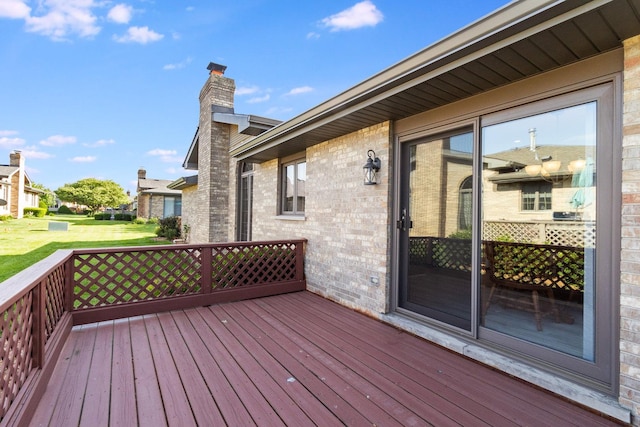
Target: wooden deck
295,360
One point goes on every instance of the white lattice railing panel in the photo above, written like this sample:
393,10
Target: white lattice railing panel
570,233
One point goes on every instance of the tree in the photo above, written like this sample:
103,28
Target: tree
93,193
47,197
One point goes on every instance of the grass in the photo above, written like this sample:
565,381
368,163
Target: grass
24,242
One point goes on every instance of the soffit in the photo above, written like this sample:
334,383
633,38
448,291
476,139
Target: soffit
523,39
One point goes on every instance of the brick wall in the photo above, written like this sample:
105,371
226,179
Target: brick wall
630,255
189,214
346,222
143,206
156,209
17,201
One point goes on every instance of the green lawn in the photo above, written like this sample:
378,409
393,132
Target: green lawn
23,242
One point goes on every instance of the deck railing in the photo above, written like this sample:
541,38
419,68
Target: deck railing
41,304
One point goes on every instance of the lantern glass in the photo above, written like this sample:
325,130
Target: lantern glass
369,173
371,168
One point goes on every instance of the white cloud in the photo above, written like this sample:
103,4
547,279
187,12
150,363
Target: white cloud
313,36
7,142
100,143
34,152
259,99
14,9
58,140
162,152
8,132
246,90
61,18
165,156
178,65
299,90
142,35
363,14
190,9
83,159
120,13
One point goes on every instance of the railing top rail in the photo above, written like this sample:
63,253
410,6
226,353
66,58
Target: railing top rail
185,246
16,286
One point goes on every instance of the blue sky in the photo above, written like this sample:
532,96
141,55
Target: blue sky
99,88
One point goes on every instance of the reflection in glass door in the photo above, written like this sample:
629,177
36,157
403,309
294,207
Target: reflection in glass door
539,229
435,228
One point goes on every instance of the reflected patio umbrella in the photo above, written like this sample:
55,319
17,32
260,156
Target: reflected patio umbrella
583,181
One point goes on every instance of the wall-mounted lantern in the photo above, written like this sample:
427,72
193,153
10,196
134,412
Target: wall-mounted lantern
371,168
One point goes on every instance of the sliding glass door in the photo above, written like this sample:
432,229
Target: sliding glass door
504,231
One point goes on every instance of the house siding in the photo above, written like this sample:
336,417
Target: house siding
630,242
346,222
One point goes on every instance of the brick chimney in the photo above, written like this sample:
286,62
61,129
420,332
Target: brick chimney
17,199
213,158
142,174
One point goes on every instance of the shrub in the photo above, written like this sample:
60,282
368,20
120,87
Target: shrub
123,217
154,220
64,209
42,204
6,217
461,234
169,227
102,216
139,221
37,212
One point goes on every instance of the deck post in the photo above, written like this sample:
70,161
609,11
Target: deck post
69,283
300,260
38,329
206,270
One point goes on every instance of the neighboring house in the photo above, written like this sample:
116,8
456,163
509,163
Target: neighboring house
522,129
155,199
16,192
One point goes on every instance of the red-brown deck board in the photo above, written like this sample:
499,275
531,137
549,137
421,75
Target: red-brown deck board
291,360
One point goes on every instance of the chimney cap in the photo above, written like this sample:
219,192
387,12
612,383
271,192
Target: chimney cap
216,68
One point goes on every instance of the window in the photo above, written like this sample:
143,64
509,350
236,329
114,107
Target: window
294,175
536,196
172,206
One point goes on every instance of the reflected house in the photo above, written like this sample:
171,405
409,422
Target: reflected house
530,191
504,220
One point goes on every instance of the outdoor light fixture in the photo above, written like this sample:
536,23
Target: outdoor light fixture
371,168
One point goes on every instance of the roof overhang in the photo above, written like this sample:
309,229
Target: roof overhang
522,39
247,124
191,160
184,182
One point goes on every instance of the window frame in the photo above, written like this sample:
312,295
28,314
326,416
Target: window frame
295,161
177,201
